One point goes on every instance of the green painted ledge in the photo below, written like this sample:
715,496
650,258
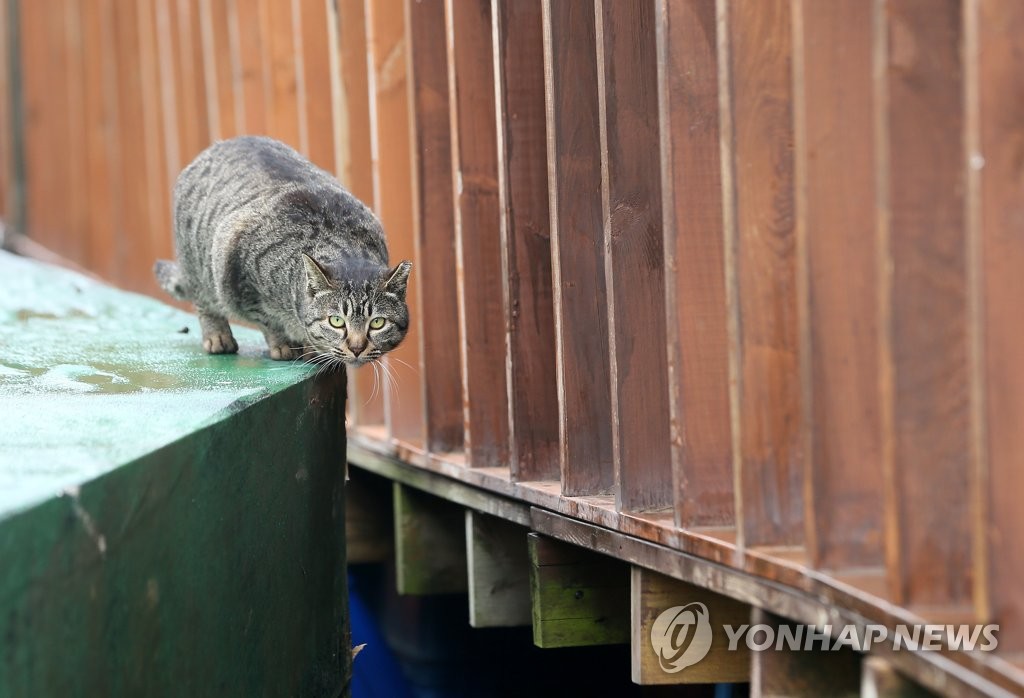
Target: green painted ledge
171,523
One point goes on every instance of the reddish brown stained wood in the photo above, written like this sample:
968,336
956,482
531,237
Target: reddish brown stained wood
403,400
477,221
76,199
526,237
836,153
251,77
928,352
435,226
355,166
6,163
634,256
697,330
770,456
217,37
578,280
1001,131
193,105
100,140
316,81
279,60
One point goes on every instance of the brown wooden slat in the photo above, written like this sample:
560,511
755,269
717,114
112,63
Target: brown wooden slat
217,36
526,239
6,163
160,141
76,198
316,81
435,226
698,339
403,400
282,103
578,280
477,221
355,162
770,460
100,118
930,549
1001,140
252,78
194,104
836,193
634,253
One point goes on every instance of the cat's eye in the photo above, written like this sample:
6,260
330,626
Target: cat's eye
376,323
336,321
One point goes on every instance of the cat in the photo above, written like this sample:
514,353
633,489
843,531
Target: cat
263,235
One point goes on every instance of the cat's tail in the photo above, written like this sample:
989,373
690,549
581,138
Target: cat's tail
168,275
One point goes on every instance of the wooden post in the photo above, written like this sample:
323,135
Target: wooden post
880,680
652,595
578,597
430,550
498,565
368,518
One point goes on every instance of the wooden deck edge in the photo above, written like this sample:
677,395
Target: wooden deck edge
794,592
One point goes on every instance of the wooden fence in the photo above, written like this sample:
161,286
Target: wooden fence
739,275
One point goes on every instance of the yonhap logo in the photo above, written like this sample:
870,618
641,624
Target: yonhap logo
681,636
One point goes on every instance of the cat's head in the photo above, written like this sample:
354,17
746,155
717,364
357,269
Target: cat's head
358,316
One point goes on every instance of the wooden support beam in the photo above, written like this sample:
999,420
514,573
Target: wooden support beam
430,549
578,597
498,565
369,521
655,601
880,680
780,670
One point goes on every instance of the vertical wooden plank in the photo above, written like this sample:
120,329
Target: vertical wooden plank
835,193
1000,122
316,82
435,225
879,679
194,105
634,254
577,244
698,339
354,160
6,164
430,543
160,140
281,103
76,234
770,459
498,566
216,41
477,232
526,240
392,144
930,549
100,117
252,77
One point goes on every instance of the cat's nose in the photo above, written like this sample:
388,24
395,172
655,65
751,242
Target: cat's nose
357,346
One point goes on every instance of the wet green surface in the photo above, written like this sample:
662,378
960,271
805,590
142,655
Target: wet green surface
171,523
91,377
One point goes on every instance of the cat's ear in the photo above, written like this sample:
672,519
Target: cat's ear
397,279
316,279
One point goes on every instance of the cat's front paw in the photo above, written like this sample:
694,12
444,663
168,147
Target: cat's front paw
283,352
220,343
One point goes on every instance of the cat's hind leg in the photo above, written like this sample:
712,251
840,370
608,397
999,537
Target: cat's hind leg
217,337
280,348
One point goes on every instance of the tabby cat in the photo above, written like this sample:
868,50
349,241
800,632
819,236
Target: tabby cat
263,235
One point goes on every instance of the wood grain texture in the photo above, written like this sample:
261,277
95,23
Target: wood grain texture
634,254
393,194
770,459
312,30
836,191
218,39
578,277
652,595
696,321
160,136
928,305
435,226
279,53
478,235
430,543
526,240
252,79
498,567
355,163
1001,143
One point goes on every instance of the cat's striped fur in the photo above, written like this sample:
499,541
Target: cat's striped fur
265,236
